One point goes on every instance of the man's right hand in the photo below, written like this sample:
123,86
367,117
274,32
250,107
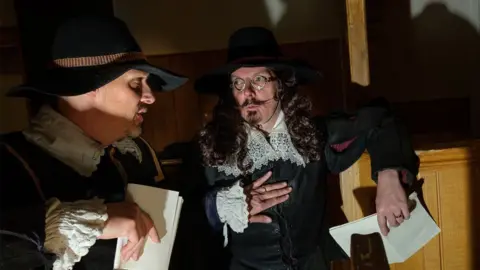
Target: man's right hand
128,220
261,197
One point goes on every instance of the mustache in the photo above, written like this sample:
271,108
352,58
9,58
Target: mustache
254,101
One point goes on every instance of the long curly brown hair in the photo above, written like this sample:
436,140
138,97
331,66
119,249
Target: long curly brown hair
224,139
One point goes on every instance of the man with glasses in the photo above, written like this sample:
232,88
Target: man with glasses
267,159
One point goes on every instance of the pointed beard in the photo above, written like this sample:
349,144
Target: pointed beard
253,117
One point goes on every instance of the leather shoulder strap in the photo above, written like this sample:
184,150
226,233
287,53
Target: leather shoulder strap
160,175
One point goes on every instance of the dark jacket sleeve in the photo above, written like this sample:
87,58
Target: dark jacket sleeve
22,218
210,202
373,128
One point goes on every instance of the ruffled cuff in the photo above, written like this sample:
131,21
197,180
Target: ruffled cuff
232,209
72,228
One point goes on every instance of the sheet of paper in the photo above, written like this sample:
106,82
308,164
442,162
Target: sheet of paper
164,207
402,242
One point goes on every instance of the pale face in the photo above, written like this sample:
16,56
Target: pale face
254,90
122,103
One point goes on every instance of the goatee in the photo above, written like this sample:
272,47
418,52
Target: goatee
253,117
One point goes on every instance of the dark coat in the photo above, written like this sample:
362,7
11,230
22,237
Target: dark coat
22,210
297,237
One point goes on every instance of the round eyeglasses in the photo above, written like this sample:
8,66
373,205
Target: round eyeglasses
258,82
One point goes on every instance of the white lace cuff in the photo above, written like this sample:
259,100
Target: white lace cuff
232,209
71,228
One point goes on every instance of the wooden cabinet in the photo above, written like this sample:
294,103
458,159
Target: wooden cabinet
451,192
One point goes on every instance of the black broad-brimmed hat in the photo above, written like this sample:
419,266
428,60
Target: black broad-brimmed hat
254,47
89,52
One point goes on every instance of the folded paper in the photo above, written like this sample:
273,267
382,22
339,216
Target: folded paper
401,242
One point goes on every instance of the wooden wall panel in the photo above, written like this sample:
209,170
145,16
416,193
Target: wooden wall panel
13,111
10,51
177,116
450,192
160,122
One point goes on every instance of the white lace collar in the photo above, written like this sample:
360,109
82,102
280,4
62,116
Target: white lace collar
65,141
261,152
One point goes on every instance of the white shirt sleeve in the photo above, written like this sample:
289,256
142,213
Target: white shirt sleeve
71,228
232,209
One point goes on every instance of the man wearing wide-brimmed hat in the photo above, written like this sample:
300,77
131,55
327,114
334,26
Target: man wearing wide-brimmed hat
63,178
267,159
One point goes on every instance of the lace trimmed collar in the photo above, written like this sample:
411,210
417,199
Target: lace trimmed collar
65,141
261,152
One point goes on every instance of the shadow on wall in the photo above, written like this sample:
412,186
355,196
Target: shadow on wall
446,52
321,19
446,58
164,27
431,60
432,55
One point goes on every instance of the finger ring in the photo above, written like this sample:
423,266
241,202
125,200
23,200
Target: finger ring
265,189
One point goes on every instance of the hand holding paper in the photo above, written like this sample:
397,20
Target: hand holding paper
127,220
402,242
391,201
163,206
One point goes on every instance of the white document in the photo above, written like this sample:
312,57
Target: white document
401,242
164,207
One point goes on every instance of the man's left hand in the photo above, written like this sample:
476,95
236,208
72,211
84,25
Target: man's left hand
391,201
